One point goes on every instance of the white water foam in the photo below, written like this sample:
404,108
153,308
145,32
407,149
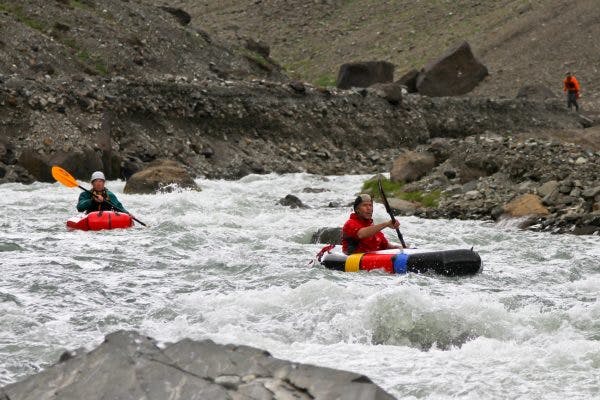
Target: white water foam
230,264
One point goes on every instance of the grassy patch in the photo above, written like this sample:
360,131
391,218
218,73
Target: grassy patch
22,17
258,59
326,81
394,189
82,5
91,60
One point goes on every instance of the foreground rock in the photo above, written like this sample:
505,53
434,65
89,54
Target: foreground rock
455,73
364,74
131,366
160,175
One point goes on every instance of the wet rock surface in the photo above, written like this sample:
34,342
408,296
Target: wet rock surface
128,365
327,235
160,176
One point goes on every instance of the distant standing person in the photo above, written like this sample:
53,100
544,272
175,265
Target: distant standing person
571,87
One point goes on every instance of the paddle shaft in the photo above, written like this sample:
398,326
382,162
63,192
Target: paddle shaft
112,205
389,211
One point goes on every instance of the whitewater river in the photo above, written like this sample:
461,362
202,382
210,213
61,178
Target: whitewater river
229,264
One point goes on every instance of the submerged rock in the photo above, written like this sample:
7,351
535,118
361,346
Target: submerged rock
292,201
130,366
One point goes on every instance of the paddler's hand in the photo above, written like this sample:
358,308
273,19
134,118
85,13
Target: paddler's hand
98,198
393,224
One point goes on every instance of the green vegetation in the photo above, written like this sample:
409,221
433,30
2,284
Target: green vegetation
326,81
21,16
82,5
394,189
88,59
257,59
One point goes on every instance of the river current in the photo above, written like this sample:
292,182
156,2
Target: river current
230,264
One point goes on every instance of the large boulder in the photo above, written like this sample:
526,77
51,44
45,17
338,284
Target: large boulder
403,207
160,175
411,166
131,366
455,73
364,74
525,205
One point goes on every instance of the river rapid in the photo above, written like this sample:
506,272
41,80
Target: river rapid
229,264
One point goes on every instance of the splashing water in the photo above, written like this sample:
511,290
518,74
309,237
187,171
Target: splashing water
229,264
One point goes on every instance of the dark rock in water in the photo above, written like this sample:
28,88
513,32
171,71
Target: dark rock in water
327,236
392,92
411,166
314,190
364,74
182,16
536,92
455,73
130,366
258,47
160,175
292,201
409,80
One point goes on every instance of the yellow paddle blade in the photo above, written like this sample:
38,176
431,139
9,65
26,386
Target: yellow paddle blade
64,177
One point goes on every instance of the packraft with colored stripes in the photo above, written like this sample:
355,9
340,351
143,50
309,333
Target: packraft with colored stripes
462,262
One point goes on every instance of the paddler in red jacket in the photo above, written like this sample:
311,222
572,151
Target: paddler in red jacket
359,234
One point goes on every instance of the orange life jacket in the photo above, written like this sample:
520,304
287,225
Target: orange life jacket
571,84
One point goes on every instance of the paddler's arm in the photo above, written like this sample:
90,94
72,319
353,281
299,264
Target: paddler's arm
85,202
369,231
113,199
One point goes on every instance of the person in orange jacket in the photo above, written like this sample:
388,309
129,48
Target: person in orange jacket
571,87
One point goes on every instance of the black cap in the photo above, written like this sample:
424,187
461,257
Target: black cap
361,198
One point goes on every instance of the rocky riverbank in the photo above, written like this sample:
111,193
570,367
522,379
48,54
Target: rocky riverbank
227,129
128,365
548,184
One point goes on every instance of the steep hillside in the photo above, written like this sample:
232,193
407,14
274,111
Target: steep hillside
47,39
520,41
